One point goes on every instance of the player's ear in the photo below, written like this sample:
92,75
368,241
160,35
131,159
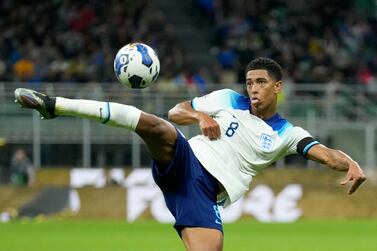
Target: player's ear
278,86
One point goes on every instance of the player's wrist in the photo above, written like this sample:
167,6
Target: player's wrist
200,116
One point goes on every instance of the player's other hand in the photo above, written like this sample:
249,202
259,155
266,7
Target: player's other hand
209,127
355,176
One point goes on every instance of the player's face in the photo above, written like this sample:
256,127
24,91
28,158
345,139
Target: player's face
262,90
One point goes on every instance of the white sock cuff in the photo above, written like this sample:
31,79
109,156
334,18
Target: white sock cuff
123,115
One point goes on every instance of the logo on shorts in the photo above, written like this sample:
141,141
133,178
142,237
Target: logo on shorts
267,142
218,216
100,113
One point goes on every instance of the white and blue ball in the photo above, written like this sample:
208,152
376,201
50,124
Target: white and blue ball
136,65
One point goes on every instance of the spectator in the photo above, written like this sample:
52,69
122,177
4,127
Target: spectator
227,61
22,171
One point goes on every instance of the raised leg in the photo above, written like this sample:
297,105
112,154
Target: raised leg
158,134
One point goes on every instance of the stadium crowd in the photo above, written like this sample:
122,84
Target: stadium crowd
315,41
75,41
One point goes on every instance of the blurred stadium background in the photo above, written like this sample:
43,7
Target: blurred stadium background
79,169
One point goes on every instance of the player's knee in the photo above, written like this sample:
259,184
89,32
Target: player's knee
152,125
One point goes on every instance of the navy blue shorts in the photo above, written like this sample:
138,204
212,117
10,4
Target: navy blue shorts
189,190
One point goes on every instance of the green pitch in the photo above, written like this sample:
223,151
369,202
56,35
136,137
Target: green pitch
89,235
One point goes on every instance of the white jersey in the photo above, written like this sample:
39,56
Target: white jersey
247,144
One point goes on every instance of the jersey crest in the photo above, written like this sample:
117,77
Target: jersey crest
267,142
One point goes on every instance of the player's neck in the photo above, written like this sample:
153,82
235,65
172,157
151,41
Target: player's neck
265,113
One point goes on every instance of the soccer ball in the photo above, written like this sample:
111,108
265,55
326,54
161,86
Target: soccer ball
136,65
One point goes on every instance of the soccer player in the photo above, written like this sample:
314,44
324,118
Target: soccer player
241,136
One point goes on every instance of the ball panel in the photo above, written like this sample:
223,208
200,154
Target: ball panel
136,82
145,58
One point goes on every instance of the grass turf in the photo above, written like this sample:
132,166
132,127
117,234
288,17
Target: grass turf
102,235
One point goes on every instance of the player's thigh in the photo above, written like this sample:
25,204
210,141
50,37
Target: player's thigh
202,239
159,135
151,127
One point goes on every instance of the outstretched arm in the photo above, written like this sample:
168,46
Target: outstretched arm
339,161
183,114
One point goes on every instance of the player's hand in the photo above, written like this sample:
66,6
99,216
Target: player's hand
355,176
209,127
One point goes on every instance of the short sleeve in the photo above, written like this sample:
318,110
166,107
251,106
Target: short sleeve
300,141
220,99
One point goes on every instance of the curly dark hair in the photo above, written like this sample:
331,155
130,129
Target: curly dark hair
272,67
